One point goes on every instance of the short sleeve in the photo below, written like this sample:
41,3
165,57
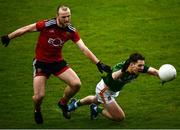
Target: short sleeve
75,37
117,67
40,25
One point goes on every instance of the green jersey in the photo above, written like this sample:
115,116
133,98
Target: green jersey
116,85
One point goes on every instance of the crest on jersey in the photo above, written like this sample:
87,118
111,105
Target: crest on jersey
57,42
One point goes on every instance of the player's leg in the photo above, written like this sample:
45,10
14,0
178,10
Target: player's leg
39,83
74,83
74,104
88,100
113,111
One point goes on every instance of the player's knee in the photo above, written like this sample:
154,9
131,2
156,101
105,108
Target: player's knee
119,118
37,97
76,84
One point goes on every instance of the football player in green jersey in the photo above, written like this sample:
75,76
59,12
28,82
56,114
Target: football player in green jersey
110,85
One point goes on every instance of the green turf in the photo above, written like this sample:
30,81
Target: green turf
112,29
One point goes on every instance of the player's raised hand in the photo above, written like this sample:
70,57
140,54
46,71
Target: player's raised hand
102,67
5,40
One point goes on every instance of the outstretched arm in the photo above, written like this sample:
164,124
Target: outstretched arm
6,38
22,30
153,71
87,52
101,67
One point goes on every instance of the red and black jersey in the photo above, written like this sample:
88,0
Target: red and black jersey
51,40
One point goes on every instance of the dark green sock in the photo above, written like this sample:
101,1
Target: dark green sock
79,103
99,109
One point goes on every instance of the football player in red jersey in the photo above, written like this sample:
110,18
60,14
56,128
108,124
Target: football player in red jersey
48,58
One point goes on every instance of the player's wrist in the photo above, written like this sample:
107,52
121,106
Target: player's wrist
98,62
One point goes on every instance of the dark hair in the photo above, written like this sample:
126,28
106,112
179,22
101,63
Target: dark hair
134,57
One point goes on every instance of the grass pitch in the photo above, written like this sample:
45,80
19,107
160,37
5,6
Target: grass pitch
112,30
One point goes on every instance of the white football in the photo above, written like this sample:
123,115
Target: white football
167,72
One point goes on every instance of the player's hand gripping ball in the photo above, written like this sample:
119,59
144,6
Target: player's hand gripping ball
167,72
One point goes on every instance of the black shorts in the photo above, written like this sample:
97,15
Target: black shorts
46,69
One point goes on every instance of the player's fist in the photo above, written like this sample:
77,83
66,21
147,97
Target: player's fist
102,67
126,65
5,40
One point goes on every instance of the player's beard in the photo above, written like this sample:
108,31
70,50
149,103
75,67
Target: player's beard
66,24
63,24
